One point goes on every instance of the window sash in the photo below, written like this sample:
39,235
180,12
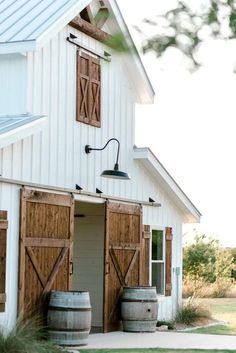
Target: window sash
159,283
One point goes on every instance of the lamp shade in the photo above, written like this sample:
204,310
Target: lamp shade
115,174
111,173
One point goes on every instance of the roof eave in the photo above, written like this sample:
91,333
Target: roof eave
17,47
144,87
190,213
18,133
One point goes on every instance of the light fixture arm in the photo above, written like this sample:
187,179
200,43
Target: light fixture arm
111,173
88,149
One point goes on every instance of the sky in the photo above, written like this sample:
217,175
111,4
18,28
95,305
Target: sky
192,125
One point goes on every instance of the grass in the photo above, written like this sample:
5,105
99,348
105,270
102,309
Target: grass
156,350
27,337
222,309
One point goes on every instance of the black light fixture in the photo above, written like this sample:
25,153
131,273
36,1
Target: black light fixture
113,173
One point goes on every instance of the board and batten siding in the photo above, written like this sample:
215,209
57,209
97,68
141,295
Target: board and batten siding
13,87
10,201
52,92
55,156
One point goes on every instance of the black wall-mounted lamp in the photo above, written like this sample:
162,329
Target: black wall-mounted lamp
113,173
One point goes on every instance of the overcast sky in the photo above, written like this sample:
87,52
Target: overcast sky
191,127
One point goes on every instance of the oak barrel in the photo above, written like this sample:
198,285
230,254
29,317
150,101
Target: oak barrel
69,318
139,309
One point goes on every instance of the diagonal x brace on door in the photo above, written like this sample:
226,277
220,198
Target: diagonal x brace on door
55,270
36,266
123,279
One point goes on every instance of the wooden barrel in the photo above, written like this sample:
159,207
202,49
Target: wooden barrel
139,309
69,318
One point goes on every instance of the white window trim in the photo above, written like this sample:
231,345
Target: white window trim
157,261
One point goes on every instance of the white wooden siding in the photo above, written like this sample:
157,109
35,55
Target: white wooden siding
13,85
10,201
56,155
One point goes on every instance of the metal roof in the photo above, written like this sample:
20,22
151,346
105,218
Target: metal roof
26,25
8,123
27,20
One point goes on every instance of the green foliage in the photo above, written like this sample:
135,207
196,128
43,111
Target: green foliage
199,259
27,337
183,27
191,312
233,272
207,261
118,42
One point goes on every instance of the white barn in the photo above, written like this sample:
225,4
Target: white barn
62,225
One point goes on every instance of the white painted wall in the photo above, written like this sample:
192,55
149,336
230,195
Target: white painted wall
10,201
13,84
56,156
89,256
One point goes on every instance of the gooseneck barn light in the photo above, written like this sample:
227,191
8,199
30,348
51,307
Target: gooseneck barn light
113,173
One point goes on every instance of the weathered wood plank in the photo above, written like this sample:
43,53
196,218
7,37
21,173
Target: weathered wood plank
168,261
90,29
123,252
47,242
3,224
3,297
55,270
46,249
47,198
101,17
3,252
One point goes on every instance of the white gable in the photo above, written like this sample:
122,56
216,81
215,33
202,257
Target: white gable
154,166
26,25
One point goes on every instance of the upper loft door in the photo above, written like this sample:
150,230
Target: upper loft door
123,245
47,223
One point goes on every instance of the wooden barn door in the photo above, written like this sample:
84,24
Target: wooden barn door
122,257
46,232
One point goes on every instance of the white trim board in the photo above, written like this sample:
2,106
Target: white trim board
153,165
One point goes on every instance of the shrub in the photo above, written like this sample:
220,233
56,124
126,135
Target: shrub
27,337
191,312
221,288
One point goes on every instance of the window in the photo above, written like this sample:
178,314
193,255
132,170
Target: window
88,90
161,260
157,260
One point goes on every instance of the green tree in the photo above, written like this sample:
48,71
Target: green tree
199,259
233,273
206,260
187,25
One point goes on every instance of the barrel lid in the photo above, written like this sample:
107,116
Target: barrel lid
140,287
75,292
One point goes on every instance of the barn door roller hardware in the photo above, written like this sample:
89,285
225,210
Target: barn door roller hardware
73,39
114,173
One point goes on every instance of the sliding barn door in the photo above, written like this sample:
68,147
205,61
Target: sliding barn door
122,257
47,222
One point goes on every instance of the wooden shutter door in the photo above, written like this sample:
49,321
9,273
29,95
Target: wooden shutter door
46,233
146,254
83,87
3,250
88,89
95,92
168,262
122,257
